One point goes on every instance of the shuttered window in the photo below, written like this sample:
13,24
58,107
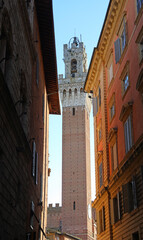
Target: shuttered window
101,220
120,43
32,215
128,134
129,196
139,5
115,204
117,50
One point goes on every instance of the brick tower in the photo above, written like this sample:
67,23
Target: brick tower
76,176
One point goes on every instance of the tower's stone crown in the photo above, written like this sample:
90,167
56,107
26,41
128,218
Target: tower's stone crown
71,87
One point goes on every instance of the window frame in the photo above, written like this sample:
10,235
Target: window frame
125,72
119,47
112,104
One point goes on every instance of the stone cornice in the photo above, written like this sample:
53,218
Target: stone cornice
106,34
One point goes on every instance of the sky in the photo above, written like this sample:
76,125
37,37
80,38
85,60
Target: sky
83,19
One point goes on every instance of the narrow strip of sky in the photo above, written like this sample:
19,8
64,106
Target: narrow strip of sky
84,19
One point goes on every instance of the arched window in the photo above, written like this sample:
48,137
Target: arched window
64,93
75,91
70,92
73,66
81,90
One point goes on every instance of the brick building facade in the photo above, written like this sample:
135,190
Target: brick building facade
26,81
115,77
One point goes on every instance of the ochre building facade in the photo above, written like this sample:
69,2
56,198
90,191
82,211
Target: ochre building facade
115,77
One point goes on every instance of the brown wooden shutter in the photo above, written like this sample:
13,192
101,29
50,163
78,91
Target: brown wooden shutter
98,222
119,204
134,193
117,50
127,197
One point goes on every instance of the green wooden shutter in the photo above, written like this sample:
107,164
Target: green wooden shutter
117,50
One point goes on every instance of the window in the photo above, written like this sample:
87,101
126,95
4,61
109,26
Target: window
112,111
101,220
97,102
112,139
73,111
121,41
139,5
100,175
129,196
75,91
32,215
73,205
73,66
135,236
128,134
125,83
125,79
114,158
112,107
115,204
64,93
70,92
139,41
110,68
